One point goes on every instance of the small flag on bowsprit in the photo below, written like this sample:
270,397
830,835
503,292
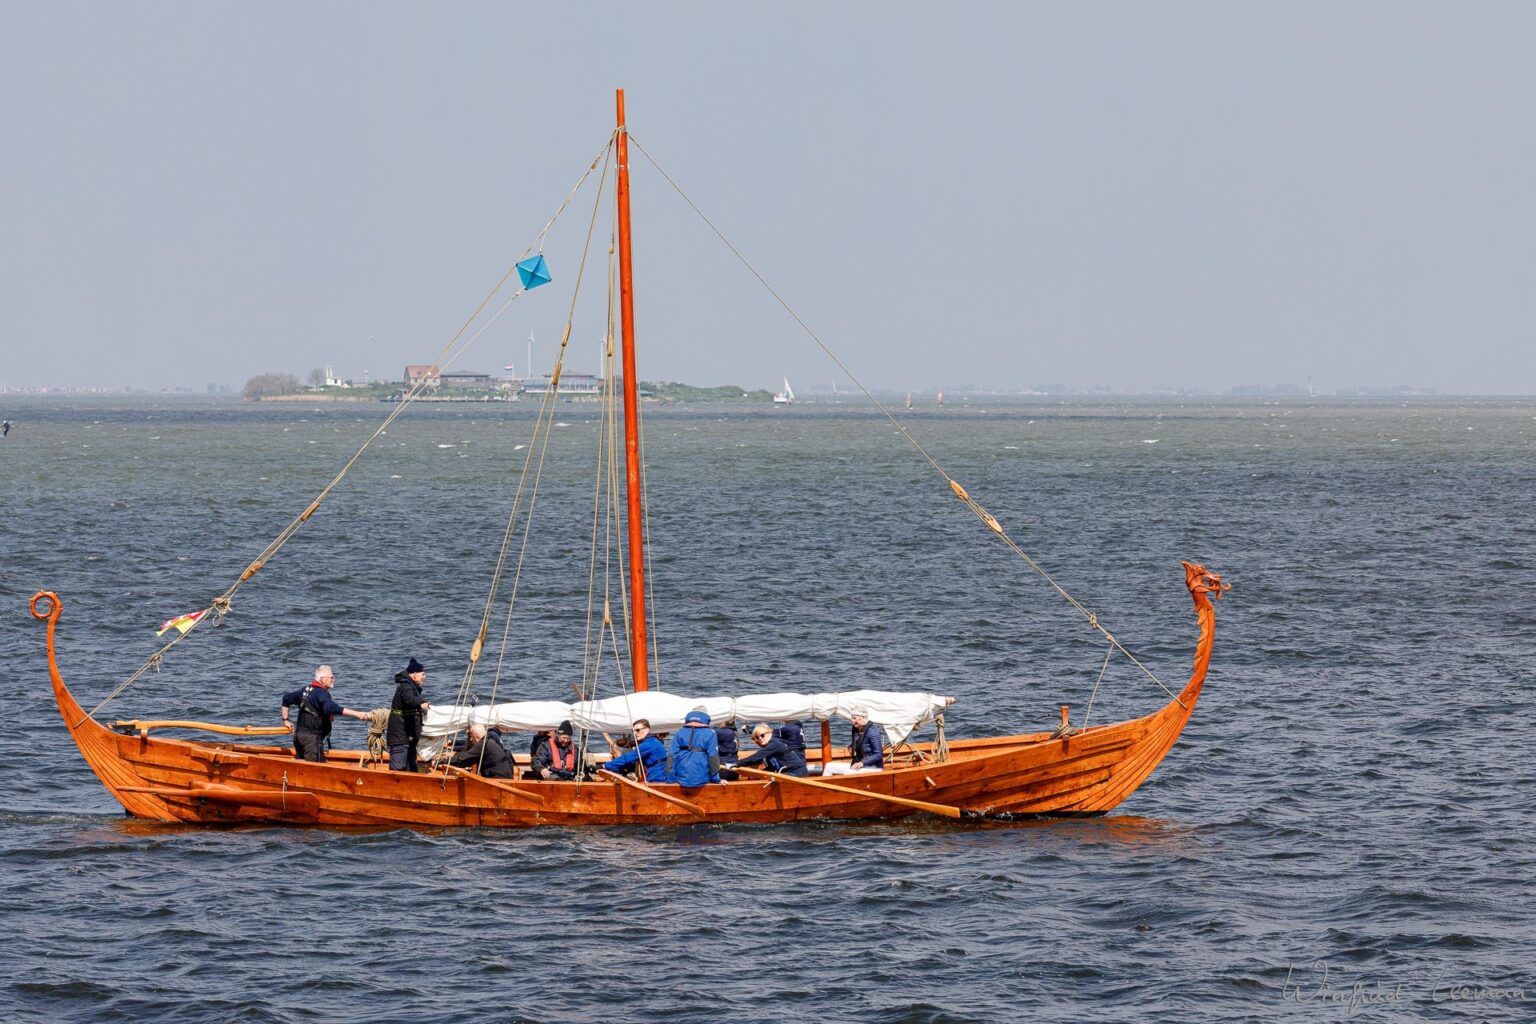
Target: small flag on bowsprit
534,271
180,623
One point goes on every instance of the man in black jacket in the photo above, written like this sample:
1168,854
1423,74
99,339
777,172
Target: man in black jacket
405,712
556,757
483,755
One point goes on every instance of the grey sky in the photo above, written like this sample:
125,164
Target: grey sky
1134,195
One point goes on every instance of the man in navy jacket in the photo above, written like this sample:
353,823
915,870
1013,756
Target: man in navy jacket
316,708
867,744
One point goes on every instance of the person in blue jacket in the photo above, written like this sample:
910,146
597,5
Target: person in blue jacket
773,754
725,736
694,754
793,735
866,747
648,751
316,709
867,744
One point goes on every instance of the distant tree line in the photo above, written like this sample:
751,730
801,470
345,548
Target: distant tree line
673,391
268,384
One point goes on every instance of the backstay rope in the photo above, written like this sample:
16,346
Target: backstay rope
960,492
220,606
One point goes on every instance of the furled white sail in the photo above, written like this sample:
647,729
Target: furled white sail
897,713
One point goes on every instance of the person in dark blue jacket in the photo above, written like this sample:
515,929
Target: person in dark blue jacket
793,735
693,756
866,747
316,707
867,743
725,736
649,751
773,754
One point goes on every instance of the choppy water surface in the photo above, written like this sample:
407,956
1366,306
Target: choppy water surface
1353,794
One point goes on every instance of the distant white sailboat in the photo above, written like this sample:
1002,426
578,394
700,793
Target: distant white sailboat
785,397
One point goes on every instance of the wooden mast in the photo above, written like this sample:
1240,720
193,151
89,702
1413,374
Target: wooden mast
639,663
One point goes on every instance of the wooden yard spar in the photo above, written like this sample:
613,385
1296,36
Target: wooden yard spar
1063,772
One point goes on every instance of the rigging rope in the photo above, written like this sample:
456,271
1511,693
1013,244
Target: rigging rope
592,649
546,420
220,606
599,520
1102,669
650,574
981,513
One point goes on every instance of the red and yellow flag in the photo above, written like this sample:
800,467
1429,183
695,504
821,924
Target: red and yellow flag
180,623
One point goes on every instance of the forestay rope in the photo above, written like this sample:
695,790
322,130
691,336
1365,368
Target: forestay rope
960,492
456,345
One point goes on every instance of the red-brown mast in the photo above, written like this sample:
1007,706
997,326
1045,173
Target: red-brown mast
639,663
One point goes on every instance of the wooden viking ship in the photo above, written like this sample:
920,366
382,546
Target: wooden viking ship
1067,771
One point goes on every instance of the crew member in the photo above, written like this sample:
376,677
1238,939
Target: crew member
773,754
484,755
316,708
405,712
866,746
648,751
725,737
793,735
694,752
556,758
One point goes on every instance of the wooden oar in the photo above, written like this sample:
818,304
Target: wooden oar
537,798
642,787
228,730
921,805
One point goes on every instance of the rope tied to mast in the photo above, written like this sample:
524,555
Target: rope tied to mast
543,430
987,519
221,605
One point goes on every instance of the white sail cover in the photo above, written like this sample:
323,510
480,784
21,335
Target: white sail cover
897,713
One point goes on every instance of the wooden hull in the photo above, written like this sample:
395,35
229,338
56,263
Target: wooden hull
190,781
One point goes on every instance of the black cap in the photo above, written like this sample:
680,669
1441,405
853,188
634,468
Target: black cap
564,730
414,667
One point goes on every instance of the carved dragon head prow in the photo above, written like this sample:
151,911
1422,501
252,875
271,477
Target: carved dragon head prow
1201,580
